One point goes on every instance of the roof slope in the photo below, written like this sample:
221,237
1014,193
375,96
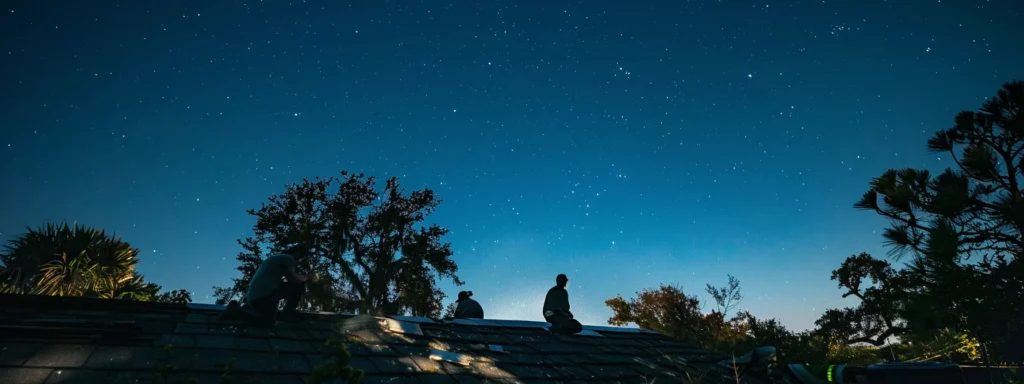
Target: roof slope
47,339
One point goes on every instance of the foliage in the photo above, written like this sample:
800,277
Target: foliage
336,366
946,345
672,312
180,296
64,260
449,310
963,227
360,245
877,318
727,297
667,310
958,298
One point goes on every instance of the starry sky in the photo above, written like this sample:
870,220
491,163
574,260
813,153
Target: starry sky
624,143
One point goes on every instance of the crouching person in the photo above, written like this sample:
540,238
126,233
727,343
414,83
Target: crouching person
275,280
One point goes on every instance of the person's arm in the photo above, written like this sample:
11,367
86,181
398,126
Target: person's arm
556,301
564,300
547,308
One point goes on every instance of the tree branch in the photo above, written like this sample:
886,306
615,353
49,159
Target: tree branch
878,340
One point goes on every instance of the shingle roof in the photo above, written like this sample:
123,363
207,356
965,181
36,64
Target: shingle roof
78,340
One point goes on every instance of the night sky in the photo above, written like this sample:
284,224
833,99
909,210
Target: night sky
625,143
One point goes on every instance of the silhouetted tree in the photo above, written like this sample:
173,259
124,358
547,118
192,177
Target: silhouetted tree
63,260
963,226
449,310
807,347
878,317
727,297
180,296
361,248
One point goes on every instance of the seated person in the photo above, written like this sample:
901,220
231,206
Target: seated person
468,308
556,309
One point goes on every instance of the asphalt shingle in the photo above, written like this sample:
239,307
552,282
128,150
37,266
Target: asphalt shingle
60,356
77,340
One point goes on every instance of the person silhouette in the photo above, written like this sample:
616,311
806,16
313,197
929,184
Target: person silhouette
275,280
468,308
556,308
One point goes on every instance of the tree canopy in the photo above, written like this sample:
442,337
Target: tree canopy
670,311
72,260
959,295
666,309
962,227
180,296
361,246
878,317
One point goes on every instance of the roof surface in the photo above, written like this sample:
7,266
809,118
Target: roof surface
47,339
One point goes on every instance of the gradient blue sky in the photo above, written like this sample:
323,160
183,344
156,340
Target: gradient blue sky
624,143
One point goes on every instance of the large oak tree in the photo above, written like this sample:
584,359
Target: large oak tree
361,246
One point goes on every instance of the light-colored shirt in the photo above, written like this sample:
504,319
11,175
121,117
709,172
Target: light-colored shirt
268,276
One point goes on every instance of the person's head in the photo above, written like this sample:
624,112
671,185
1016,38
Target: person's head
298,252
465,295
561,280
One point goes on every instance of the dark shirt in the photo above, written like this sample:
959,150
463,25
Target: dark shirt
557,299
469,309
268,276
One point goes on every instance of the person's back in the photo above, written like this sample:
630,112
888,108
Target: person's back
274,280
557,298
268,276
556,308
468,308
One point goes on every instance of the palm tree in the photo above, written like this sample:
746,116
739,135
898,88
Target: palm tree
63,260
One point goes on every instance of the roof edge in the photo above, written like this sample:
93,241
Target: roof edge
10,301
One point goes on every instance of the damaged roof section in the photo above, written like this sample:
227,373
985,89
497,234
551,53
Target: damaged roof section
51,339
